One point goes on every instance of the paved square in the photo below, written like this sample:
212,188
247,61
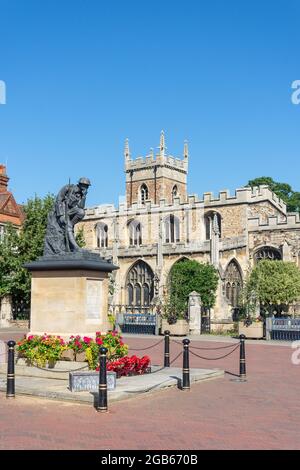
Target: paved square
262,413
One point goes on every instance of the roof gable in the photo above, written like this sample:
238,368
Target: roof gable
9,208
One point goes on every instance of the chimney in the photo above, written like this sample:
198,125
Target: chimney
3,179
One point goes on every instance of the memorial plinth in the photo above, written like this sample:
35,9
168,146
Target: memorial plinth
69,294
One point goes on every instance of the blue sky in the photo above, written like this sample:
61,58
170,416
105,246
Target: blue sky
81,76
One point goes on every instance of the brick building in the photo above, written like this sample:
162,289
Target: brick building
10,211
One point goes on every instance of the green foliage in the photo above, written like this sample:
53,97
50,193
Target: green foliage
282,190
185,277
111,340
79,237
273,282
19,247
40,349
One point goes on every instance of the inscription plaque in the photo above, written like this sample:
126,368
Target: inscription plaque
89,381
93,299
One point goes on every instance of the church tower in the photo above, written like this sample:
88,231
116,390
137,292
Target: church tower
154,178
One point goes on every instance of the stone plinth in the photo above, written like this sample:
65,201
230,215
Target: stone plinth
69,294
5,311
195,313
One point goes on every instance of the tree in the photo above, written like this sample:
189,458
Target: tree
283,190
79,237
19,247
185,277
273,283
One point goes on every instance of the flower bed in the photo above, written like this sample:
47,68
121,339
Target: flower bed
41,349
126,366
38,350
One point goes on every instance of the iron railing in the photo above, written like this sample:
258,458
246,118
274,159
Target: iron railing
136,319
20,309
283,328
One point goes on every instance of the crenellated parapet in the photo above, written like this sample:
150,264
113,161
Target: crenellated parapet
149,161
109,210
290,222
245,195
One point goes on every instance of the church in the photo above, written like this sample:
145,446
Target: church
160,223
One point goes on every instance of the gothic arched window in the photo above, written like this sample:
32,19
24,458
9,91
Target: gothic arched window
174,192
233,283
135,233
144,193
172,229
102,235
213,224
267,253
140,285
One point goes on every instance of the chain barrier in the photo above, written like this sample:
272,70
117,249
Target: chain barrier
59,371
206,349
215,358
149,347
215,349
162,368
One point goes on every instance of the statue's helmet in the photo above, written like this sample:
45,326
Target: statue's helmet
84,181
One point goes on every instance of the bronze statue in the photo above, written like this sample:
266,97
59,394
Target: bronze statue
68,210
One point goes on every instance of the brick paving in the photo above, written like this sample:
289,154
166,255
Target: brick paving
263,413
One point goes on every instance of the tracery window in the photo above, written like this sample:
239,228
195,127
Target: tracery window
144,193
213,223
172,229
135,233
102,235
140,284
267,253
233,283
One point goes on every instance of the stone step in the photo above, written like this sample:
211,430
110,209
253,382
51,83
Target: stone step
59,372
127,387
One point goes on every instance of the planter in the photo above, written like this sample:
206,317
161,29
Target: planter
80,357
68,355
255,330
180,328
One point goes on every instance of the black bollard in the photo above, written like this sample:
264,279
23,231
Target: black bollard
167,349
186,365
102,396
10,385
242,359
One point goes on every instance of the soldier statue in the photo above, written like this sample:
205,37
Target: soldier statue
68,210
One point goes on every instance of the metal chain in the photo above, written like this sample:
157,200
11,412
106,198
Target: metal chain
149,347
177,342
60,371
206,349
162,368
214,349
178,355
215,358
